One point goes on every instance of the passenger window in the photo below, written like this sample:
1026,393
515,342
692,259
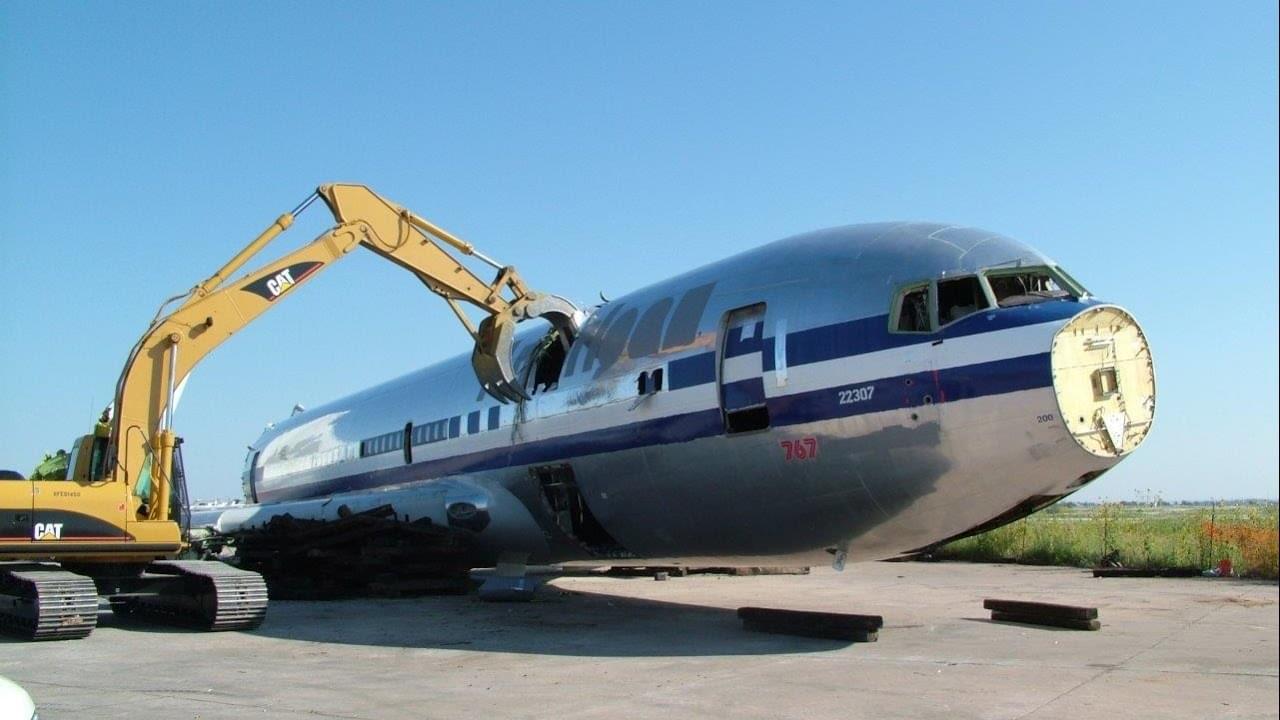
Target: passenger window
913,311
959,297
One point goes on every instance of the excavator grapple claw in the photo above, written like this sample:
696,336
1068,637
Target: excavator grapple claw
491,358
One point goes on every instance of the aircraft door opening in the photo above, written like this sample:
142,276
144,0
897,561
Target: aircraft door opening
561,496
742,400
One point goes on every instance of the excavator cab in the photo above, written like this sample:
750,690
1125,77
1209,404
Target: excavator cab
88,456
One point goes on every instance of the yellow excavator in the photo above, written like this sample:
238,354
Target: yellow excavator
118,521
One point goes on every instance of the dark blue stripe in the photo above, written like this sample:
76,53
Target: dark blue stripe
963,383
991,378
734,345
692,370
743,394
816,345
995,378
867,335
871,334
679,428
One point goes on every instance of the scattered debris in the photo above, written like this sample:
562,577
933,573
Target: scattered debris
1224,569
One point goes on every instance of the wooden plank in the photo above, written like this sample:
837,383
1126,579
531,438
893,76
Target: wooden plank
812,632
1024,607
1047,620
835,626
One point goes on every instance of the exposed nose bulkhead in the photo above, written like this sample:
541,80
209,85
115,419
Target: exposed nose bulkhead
1104,380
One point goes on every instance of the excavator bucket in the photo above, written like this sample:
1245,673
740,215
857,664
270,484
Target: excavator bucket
491,358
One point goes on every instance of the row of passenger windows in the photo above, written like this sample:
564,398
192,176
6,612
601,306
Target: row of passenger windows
427,433
958,297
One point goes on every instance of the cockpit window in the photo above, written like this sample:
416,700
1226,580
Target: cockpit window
913,310
1025,287
959,297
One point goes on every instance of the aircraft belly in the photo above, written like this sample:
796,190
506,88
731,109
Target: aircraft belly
881,484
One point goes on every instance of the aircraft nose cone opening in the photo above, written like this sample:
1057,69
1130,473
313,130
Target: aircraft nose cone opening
1104,380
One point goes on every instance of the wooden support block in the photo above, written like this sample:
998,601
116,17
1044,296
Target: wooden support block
1023,607
834,626
1047,620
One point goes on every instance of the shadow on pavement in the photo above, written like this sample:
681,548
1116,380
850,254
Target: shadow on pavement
556,622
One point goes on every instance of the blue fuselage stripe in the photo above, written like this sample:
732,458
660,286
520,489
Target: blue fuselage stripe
970,381
862,336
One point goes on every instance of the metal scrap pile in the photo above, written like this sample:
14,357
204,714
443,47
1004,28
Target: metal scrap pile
372,553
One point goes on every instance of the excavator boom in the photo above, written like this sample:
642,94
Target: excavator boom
142,438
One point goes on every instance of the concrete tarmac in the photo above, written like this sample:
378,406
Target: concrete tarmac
600,647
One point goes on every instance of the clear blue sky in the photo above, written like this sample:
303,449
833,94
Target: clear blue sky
602,146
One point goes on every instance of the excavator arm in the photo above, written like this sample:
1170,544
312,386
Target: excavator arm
142,440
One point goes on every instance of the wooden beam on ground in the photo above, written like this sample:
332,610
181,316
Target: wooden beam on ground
1074,617
1047,620
833,626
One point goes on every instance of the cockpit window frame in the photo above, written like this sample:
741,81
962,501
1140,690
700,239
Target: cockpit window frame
1064,281
983,286
1071,283
900,294
1075,291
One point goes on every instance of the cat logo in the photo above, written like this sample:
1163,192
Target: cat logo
47,531
273,286
281,282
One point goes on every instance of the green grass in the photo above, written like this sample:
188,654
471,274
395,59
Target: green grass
1135,536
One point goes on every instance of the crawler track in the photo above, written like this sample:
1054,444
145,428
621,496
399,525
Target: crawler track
41,602
208,595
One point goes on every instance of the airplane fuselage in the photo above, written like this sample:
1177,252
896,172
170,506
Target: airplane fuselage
859,392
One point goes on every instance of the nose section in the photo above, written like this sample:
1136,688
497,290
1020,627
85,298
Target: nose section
1104,380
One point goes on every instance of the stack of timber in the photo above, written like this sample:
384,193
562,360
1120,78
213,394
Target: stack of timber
831,626
1072,617
372,553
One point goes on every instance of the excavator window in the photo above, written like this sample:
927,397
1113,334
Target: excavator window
97,458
